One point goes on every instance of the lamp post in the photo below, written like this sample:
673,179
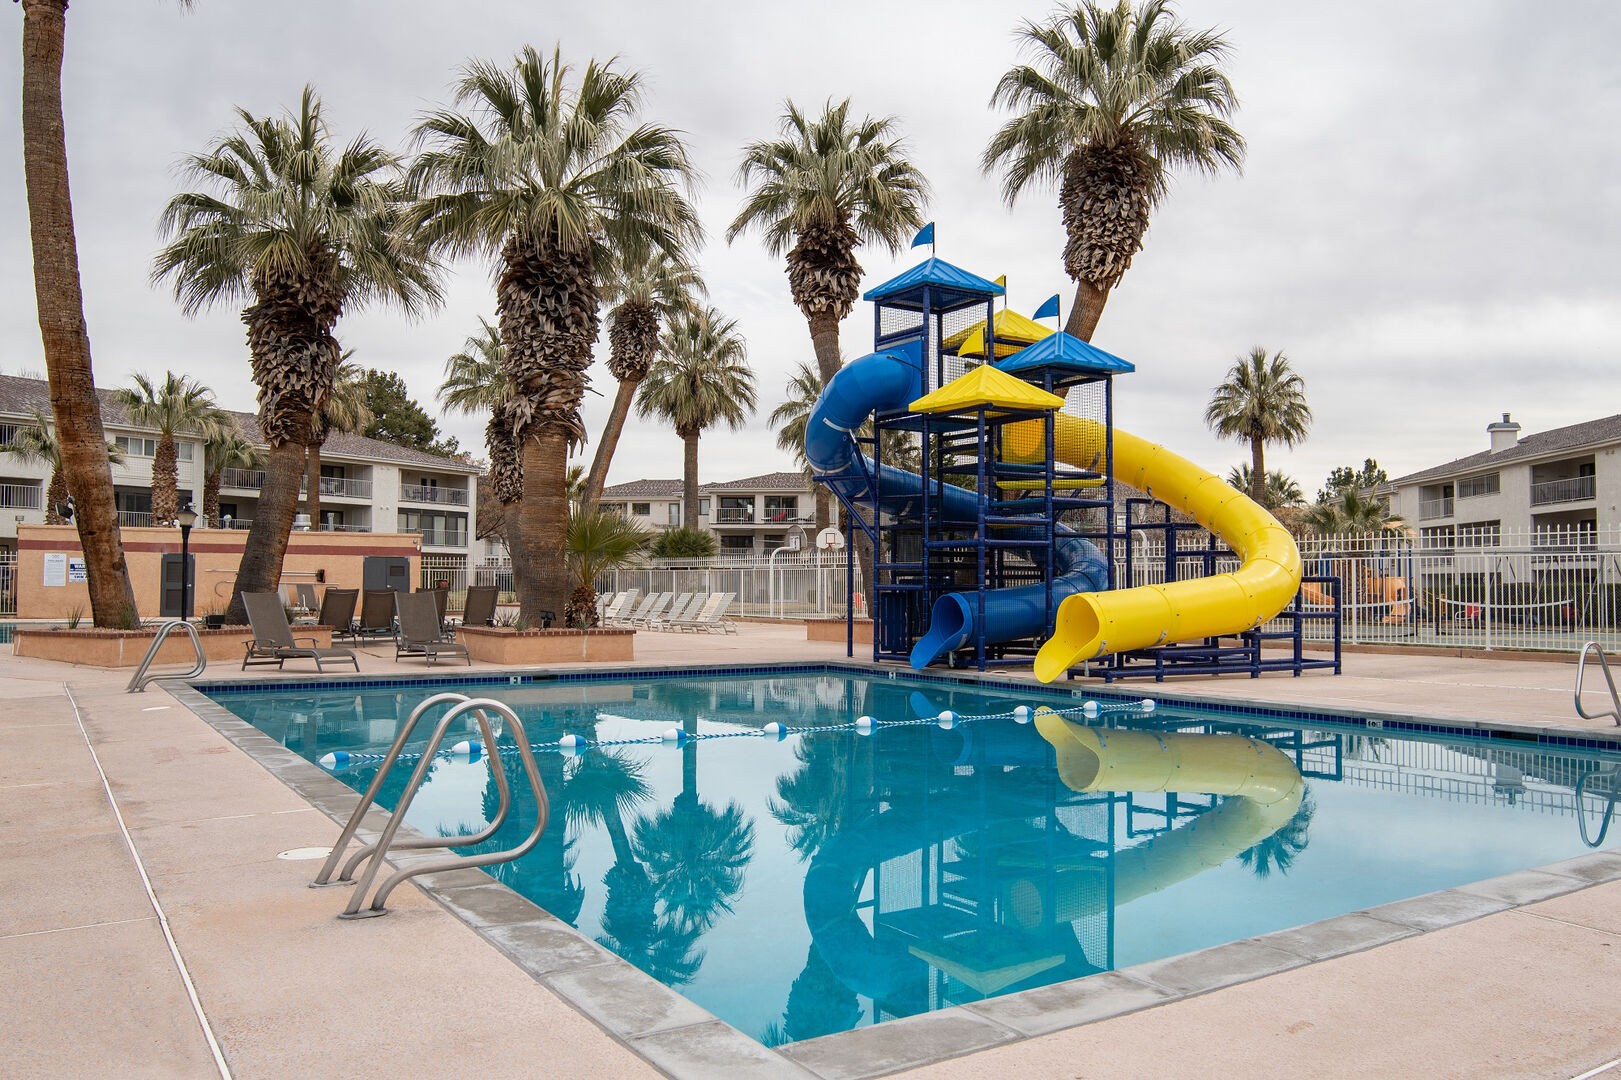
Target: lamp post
187,517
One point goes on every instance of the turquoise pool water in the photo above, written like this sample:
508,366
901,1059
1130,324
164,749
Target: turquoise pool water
829,880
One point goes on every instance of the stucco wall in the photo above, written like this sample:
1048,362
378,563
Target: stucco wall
218,552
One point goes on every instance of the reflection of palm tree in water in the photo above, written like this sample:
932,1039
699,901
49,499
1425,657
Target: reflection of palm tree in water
1280,849
813,802
818,1004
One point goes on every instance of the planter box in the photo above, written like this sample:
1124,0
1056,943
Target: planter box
504,645
124,648
833,630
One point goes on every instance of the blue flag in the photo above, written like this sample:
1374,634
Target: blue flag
1049,310
924,235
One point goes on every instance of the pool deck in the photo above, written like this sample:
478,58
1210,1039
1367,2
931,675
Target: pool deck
146,923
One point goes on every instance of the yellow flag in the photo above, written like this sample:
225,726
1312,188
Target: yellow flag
1002,281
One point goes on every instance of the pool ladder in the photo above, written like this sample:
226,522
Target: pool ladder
1614,712
461,704
138,681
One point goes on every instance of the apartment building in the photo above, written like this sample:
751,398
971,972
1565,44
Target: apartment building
1559,485
753,515
366,485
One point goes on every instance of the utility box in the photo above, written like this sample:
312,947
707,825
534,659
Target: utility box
169,585
387,572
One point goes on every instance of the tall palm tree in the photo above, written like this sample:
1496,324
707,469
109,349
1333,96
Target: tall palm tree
303,231
226,448
1351,514
345,409
644,288
38,445
178,404
545,173
1281,489
59,296
701,380
816,193
791,419
598,541
1262,401
1117,97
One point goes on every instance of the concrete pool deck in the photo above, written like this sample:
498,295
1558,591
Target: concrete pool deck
90,984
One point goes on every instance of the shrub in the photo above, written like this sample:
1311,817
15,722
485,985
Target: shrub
685,543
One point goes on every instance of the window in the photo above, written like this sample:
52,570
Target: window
703,507
1440,537
1479,485
1479,533
437,527
183,450
675,513
136,446
614,508
8,432
781,507
736,510
737,543
641,509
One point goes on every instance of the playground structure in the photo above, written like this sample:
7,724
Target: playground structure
997,549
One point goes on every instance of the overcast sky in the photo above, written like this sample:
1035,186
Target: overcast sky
1428,224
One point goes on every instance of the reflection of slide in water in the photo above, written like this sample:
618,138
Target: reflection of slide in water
1264,790
1090,620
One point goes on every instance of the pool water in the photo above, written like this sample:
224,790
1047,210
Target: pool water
828,880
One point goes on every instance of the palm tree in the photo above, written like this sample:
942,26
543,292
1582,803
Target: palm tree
546,174
703,379
304,232
598,541
819,191
644,288
59,297
1352,514
475,382
179,404
601,787
790,419
345,409
38,445
1261,401
226,448
1116,99
1281,488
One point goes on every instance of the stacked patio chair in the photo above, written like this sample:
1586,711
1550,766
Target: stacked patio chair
711,617
667,601
376,614
479,608
621,608
418,633
679,612
273,641
338,612
648,604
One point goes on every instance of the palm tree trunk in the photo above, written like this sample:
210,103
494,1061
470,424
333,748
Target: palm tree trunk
824,331
543,515
611,431
824,511
312,481
55,495
266,545
60,300
165,483
1257,471
689,478
211,498
1086,310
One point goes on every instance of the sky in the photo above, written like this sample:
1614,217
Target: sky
1427,224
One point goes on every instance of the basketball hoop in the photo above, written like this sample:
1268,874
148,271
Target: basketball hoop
830,539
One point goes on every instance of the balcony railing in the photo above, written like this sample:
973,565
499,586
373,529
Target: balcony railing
329,527
254,479
1434,508
21,496
734,515
250,479
134,519
1576,489
442,537
440,496
236,523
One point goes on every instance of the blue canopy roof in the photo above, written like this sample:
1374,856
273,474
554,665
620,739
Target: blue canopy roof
1066,353
953,287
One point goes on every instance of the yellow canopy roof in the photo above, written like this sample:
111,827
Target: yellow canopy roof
1013,332
986,387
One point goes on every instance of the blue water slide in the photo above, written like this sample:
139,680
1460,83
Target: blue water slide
889,381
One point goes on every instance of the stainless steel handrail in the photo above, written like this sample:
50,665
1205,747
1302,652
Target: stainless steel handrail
1610,774
1581,673
377,852
138,681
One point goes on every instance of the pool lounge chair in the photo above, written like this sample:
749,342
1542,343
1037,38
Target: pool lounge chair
665,600
376,614
273,641
308,601
684,608
441,603
479,607
621,608
649,602
711,617
418,633
338,612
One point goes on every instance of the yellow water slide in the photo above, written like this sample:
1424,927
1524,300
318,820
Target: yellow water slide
1092,624
1263,786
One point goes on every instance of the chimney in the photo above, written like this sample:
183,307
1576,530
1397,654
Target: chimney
1504,434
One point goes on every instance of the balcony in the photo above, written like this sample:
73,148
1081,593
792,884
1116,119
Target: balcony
21,497
437,496
337,487
1434,508
329,527
734,515
243,479
134,519
1576,489
441,537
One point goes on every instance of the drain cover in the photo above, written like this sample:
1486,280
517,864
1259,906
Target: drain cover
303,853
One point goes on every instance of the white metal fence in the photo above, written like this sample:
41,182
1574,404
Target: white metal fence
8,583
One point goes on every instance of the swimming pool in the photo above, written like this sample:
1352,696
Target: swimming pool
830,879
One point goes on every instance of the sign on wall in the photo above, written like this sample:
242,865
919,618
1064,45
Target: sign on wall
56,568
76,571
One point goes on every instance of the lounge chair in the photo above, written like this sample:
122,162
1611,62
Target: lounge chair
376,614
308,602
680,613
419,633
273,641
604,602
622,607
441,603
649,602
711,617
479,608
657,611
338,612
